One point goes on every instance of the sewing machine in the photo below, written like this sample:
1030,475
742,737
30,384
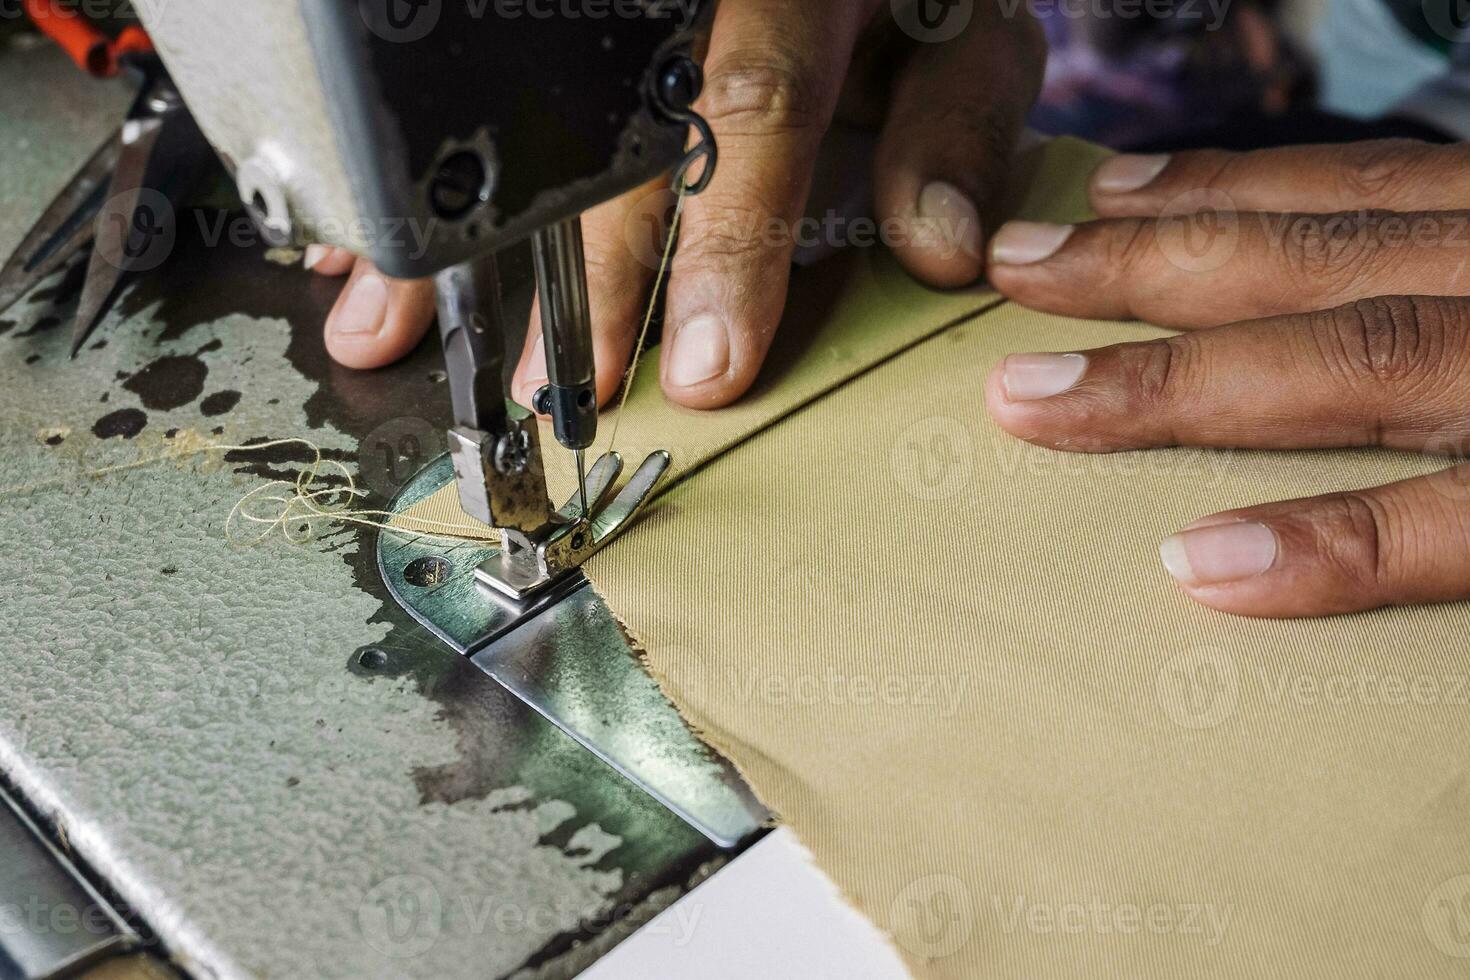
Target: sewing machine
489,134
481,126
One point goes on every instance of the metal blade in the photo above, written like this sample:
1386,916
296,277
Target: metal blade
130,226
64,230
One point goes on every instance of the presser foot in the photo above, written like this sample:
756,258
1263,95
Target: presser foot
529,563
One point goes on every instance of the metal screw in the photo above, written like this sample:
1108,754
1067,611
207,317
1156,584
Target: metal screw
679,83
164,102
541,401
512,454
372,658
428,571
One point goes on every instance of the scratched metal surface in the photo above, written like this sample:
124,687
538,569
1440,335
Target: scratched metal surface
193,714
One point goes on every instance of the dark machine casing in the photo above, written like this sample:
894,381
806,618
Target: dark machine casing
477,122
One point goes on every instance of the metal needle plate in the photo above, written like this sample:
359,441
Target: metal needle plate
563,653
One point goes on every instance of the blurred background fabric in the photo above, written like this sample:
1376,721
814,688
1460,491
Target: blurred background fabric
1149,75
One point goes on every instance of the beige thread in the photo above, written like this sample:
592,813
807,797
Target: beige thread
658,282
295,515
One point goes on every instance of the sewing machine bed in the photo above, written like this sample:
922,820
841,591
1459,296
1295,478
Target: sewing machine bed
276,770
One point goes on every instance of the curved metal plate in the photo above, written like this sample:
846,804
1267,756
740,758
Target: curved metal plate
564,654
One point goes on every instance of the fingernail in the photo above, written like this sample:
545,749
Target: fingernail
365,308
314,254
1222,553
701,351
1024,242
1028,377
1128,172
947,207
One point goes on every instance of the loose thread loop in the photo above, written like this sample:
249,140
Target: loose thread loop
295,516
291,507
658,282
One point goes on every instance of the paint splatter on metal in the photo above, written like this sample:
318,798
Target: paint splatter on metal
124,423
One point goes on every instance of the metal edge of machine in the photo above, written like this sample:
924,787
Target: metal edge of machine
38,881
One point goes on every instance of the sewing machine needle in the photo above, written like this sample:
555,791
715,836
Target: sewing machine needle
581,455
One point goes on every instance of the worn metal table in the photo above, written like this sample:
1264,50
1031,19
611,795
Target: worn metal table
193,719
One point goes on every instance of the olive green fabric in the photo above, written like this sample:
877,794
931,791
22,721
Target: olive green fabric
954,665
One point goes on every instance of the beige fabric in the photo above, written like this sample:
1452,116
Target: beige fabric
954,665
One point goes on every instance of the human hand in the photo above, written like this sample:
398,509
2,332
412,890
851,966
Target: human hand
777,74
1335,280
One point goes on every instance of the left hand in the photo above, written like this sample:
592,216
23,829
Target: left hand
1335,280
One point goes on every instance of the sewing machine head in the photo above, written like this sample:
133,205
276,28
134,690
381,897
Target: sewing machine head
424,133
428,134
